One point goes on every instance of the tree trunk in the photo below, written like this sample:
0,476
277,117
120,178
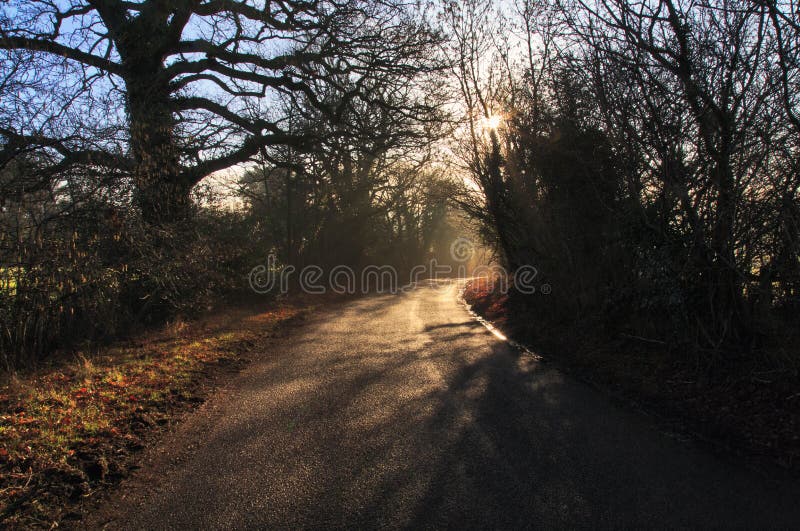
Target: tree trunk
162,192
731,319
291,248
494,190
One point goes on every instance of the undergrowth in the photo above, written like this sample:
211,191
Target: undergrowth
68,430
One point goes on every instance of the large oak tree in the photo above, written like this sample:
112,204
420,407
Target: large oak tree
166,92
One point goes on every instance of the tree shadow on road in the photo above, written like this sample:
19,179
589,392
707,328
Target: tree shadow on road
447,428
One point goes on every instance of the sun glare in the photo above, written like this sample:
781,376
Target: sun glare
492,122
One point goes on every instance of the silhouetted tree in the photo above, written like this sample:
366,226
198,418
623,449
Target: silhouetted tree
169,91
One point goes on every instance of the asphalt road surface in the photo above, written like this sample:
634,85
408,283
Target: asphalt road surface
401,411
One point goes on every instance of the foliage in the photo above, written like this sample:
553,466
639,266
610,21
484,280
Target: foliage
85,267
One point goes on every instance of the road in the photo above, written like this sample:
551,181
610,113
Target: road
401,411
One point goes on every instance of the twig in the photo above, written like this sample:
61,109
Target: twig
25,486
645,339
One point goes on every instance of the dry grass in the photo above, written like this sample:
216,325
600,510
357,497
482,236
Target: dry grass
67,430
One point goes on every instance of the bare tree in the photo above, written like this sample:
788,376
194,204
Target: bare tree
168,91
649,151
335,193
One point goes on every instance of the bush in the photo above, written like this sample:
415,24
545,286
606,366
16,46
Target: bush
100,272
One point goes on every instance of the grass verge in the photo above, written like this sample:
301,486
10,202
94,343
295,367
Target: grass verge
750,411
70,430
